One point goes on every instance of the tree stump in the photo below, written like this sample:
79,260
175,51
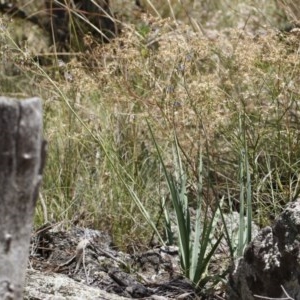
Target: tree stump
22,157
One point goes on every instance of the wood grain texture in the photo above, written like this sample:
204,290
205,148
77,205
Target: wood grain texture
22,155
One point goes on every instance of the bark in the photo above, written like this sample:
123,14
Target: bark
22,157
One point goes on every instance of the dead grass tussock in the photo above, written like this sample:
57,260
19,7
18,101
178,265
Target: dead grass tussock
255,75
186,80
187,70
176,78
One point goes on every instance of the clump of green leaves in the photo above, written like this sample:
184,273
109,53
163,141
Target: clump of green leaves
197,243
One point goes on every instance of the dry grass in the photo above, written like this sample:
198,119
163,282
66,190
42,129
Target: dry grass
221,77
197,78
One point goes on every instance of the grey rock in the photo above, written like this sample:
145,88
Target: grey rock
80,263
41,285
270,266
62,21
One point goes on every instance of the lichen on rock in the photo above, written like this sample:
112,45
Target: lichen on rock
270,266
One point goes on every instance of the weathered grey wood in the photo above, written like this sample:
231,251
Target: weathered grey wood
22,156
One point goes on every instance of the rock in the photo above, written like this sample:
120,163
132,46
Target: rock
270,266
41,285
66,23
81,263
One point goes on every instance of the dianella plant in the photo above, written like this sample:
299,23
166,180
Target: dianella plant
238,225
245,222
197,239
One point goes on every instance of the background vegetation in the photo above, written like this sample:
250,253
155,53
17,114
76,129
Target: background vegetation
218,77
